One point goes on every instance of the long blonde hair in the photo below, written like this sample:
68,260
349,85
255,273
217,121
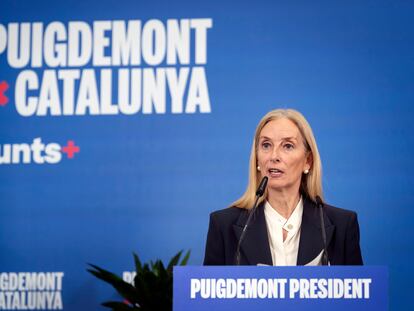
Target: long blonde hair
311,183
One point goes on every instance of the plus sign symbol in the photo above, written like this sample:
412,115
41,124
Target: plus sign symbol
3,98
70,149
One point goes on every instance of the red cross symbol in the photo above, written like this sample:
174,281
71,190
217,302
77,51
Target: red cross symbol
3,98
70,149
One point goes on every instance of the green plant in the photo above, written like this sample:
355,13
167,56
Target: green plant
152,288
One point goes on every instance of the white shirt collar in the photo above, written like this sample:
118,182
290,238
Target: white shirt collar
291,225
284,252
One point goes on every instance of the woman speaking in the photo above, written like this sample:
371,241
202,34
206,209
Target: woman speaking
291,225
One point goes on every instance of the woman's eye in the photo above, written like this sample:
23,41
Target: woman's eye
288,146
266,145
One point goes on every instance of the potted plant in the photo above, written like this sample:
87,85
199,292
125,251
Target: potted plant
151,289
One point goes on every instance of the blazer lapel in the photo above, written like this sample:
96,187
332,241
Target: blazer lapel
311,243
255,246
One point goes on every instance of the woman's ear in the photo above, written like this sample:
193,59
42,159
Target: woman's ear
309,161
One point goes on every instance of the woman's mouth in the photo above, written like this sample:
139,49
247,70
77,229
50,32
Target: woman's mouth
275,172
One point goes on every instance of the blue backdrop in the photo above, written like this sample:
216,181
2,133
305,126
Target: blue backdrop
146,182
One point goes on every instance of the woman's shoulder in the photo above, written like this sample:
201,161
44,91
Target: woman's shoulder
341,212
331,209
336,214
228,214
340,215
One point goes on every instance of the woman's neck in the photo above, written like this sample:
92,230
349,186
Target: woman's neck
283,202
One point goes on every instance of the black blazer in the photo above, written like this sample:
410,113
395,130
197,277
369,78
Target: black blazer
342,233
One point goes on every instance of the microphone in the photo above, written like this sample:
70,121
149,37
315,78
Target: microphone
259,192
262,187
320,204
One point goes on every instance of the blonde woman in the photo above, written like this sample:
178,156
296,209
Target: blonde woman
286,227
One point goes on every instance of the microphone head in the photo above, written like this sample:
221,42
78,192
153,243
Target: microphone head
262,187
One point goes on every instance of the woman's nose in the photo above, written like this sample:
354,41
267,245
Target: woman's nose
275,157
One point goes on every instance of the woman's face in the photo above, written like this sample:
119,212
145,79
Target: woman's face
281,155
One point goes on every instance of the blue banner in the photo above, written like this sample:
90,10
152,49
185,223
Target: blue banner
288,288
125,123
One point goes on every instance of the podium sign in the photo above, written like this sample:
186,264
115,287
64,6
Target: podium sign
350,288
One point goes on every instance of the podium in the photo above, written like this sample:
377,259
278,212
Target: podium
238,288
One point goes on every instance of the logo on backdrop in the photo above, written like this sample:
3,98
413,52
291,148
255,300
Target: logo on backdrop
31,290
3,88
107,67
37,152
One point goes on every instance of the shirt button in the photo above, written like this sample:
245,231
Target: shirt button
290,226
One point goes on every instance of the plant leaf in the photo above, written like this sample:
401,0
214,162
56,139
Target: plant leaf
158,268
125,289
185,259
138,264
105,275
173,262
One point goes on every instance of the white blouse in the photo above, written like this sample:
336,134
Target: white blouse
284,253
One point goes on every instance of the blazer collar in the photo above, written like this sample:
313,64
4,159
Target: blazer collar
255,246
311,243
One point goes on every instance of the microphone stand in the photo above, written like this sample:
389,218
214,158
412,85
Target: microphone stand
260,191
325,259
